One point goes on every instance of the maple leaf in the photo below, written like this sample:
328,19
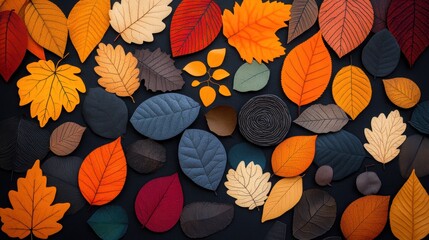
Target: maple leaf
49,87
251,29
32,212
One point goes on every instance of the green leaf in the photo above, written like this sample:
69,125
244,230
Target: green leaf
251,77
109,222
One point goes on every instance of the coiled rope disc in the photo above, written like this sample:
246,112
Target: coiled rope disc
264,120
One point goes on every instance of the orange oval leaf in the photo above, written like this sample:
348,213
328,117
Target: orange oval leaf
345,23
293,156
365,218
306,71
207,95
102,174
402,92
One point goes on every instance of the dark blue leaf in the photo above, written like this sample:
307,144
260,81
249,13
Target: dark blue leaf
246,152
165,116
420,118
202,158
109,222
342,151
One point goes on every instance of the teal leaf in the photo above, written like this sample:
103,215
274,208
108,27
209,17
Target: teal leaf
109,222
251,77
246,152
420,117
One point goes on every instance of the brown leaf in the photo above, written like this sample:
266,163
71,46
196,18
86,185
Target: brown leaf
66,138
222,120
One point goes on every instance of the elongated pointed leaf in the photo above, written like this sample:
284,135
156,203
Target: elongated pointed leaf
158,71
414,155
381,54
109,222
21,144
276,232
62,172
202,158
420,117
202,219
303,15
105,114
320,118
146,156
165,116
342,151
314,214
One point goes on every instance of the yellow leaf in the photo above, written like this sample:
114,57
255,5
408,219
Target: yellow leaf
220,74
32,46
402,92
410,210
215,57
32,210
88,22
118,72
8,5
195,83
137,20
49,88
248,185
224,91
47,25
385,137
285,194
207,95
195,68
251,29
352,90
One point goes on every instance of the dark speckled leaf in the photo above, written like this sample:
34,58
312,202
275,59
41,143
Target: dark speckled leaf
276,232
414,155
146,156
314,214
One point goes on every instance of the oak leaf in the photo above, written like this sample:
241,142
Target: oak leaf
251,29
49,87
32,211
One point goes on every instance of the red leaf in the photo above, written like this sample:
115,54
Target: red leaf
380,14
13,43
159,203
408,22
195,25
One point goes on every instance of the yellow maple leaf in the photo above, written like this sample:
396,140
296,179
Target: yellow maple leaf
32,212
49,87
251,29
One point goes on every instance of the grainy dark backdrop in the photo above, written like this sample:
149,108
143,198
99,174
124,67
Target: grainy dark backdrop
246,224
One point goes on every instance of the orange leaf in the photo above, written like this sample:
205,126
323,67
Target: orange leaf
224,91
207,95
215,57
32,211
365,218
251,29
102,174
293,156
32,46
345,24
195,83
306,71
9,5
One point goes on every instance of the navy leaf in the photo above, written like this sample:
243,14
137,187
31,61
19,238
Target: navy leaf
202,158
165,116
109,222
420,117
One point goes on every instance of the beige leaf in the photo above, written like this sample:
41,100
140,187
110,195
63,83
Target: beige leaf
118,72
248,185
137,20
385,136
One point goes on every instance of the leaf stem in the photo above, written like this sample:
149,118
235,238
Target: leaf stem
59,61
116,38
132,99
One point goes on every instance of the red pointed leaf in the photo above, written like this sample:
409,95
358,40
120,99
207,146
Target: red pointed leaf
159,203
13,43
195,25
408,22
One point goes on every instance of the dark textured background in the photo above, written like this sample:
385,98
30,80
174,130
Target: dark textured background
246,224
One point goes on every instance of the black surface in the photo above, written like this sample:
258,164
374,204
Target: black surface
246,224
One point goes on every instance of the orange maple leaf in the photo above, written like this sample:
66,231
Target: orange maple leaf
31,211
251,29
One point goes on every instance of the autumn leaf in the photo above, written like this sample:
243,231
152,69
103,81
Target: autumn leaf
402,92
285,194
385,137
32,46
207,95
9,5
345,23
365,218
303,16
88,22
293,156
47,25
410,210
118,72
102,173
32,212
48,88
137,20
306,71
248,185
251,29
352,90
